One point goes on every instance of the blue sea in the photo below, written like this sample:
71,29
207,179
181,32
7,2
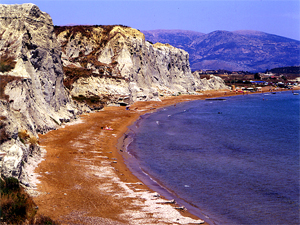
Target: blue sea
232,161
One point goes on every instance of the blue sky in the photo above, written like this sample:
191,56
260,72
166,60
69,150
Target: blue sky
270,16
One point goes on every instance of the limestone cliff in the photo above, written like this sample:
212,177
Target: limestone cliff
123,64
204,84
33,99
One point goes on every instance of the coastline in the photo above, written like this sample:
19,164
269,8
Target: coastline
140,203
133,165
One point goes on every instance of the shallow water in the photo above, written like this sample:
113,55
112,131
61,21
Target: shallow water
236,160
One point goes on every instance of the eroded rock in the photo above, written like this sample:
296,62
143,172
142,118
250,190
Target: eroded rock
122,62
34,100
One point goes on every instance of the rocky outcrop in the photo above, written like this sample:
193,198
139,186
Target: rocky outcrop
204,84
33,97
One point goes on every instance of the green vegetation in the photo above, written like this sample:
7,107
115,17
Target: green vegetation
257,76
104,34
85,30
286,70
73,74
26,138
3,134
94,101
42,220
7,63
16,206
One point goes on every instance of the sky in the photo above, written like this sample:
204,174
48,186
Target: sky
271,16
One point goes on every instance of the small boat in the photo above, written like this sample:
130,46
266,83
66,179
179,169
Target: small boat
295,93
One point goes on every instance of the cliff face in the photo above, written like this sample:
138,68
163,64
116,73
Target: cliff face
41,66
33,98
123,63
213,83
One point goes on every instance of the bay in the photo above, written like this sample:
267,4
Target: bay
236,160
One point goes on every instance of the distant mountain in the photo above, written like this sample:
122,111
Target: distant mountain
238,50
177,38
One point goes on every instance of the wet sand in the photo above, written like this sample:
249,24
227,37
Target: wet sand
83,177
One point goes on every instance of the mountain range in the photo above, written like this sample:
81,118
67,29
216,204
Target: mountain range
244,50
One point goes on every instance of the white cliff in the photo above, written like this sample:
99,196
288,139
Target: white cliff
204,84
143,71
34,100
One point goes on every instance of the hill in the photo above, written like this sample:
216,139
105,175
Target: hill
176,38
246,50
287,70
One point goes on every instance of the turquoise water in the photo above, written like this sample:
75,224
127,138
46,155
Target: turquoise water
236,160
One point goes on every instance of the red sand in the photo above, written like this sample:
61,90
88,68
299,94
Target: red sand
84,179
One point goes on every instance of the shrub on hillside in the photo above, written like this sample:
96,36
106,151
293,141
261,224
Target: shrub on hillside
42,220
3,134
73,74
7,63
93,102
24,136
16,206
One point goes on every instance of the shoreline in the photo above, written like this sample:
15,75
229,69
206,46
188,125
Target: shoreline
153,184
115,163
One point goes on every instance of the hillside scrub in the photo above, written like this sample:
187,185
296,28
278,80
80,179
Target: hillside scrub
3,134
26,138
85,30
16,206
7,63
72,74
94,102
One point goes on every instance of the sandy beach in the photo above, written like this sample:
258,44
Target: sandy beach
82,178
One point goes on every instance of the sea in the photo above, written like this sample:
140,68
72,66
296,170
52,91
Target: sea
233,160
